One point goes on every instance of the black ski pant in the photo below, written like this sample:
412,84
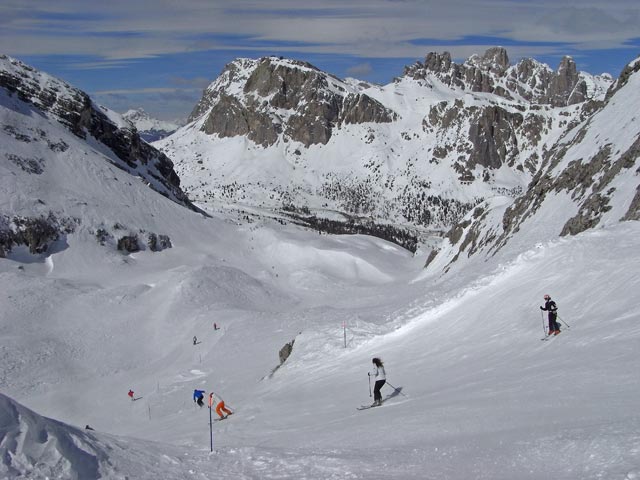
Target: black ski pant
553,324
376,389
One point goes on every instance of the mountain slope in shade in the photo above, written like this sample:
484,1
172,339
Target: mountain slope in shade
28,92
63,159
150,129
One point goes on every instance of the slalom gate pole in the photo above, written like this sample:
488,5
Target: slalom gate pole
565,323
344,328
369,375
211,421
399,391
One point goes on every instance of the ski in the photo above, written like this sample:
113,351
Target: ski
367,407
548,337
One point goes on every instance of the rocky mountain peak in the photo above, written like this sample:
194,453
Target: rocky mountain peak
529,80
494,60
274,98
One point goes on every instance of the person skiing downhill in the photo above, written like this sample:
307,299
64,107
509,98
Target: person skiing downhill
551,307
380,378
131,394
198,396
221,409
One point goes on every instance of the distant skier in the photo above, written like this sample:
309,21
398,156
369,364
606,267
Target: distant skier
195,340
551,307
380,378
198,396
215,326
221,409
88,427
130,394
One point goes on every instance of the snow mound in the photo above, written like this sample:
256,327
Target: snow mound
37,447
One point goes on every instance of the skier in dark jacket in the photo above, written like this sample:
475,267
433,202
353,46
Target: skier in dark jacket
551,307
198,396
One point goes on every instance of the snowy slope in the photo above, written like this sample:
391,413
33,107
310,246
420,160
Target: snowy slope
485,397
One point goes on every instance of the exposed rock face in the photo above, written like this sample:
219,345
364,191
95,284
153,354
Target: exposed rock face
230,118
37,233
489,136
494,138
285,351
491,73
157,243
283,97
75,110
622,80
129,243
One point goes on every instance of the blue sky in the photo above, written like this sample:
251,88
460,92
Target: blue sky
160,54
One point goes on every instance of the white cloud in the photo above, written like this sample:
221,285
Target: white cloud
360,70
132,29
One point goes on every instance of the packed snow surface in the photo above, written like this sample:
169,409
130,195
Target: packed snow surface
479,395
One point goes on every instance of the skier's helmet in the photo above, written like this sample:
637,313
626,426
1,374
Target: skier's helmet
546,297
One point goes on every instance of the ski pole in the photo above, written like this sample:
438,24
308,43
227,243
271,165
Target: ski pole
399,391
369,375
544,329
565,323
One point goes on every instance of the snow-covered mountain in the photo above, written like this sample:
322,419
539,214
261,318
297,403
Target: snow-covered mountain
589,179
56,143
150,129
418,153
472,391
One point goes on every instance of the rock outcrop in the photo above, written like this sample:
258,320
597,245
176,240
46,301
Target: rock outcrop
528,79
272,98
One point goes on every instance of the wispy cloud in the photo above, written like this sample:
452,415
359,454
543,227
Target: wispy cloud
360,70
144,91
135,29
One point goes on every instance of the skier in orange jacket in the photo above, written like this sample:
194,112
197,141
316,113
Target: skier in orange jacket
215,399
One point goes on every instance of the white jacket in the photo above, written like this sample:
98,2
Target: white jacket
378,373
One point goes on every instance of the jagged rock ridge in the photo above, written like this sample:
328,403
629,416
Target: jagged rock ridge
529,79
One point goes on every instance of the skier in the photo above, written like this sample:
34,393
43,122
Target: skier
551,307
88,427
195,339
380,377
198,396
215,399
130,394
215,326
